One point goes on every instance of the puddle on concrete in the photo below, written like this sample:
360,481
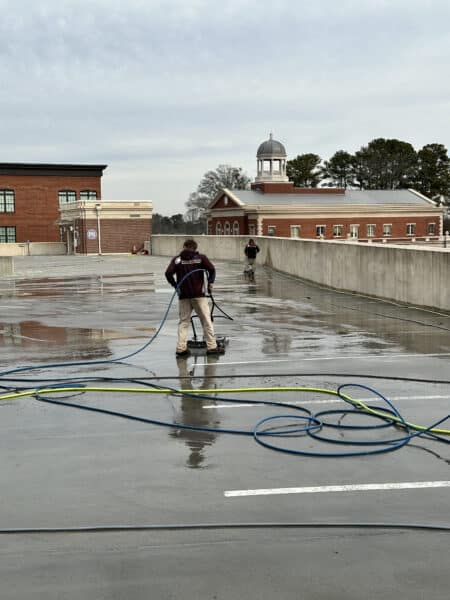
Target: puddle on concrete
94,284
66,343
196,412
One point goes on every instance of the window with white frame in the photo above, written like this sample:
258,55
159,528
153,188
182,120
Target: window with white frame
8,235
7,204
338,230
235,228
295,231
252,229
225,200
320,231
271,230
410,229
387,229
88,195
227,228
66,196
354,231
431,230
218,228
371,229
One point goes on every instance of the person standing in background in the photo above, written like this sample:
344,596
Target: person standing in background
250,251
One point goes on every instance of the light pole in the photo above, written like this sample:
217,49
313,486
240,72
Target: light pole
98,208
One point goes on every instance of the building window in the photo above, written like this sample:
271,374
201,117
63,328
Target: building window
271,230
370,230
411,229
295,231
320,231
88,195
227,228
431,229
66,196
338,230
252,229
7,201
225,200
218,228
354,231
387,229
235,228
8,235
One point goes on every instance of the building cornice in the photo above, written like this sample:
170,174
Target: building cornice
47,169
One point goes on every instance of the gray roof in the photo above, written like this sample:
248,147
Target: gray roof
355,197
271,148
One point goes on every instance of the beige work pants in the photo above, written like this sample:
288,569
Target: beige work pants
201,307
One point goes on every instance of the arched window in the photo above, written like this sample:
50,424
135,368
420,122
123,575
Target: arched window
227,228
218,228
235,228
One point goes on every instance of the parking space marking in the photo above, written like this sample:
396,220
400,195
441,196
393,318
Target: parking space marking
322,358
363,487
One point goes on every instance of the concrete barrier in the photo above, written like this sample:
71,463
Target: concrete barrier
410,275
33,249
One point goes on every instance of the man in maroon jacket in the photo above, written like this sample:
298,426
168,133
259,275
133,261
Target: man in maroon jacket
192,294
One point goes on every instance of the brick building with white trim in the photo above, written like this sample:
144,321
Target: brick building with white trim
62,203
274,207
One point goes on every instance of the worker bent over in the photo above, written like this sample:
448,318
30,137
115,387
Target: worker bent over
197,274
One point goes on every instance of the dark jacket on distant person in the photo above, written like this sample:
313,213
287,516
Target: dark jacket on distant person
196,285
251,250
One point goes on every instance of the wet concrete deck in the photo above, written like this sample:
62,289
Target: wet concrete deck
62,467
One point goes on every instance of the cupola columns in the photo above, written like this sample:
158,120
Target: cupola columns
271,162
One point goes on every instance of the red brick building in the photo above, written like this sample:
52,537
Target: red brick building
31,194
273,206
62,202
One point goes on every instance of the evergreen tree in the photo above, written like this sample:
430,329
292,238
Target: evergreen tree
339,169
303,170
433,171
385,165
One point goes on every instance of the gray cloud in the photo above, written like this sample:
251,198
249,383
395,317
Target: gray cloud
163,91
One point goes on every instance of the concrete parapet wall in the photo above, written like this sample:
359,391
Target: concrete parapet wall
415,276
33,249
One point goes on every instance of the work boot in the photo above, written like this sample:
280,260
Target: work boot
216,350
183,353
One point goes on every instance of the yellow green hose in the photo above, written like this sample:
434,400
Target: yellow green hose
358,403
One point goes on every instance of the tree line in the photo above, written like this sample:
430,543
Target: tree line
383,164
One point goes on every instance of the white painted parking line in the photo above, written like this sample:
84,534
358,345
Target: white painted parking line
362,487
322,358
334,400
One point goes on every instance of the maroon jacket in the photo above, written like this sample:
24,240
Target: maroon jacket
196,285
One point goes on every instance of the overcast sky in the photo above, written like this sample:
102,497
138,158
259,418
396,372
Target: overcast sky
163,91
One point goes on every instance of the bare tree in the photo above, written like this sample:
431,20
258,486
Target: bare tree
225,176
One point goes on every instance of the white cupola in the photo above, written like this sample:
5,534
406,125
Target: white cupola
271,162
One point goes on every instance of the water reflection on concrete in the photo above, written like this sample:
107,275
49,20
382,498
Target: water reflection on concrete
83,284
63,342
196,412
292,316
